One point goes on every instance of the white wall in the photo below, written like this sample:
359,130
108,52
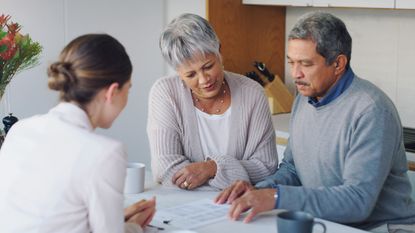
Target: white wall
136,23
383,51
175,8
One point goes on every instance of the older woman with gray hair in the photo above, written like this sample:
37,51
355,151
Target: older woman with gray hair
206,126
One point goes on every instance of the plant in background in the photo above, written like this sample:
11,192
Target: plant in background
17,52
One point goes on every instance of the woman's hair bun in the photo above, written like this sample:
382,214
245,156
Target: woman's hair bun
61,76
87,65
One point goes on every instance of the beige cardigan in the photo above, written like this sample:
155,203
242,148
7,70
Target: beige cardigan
174,135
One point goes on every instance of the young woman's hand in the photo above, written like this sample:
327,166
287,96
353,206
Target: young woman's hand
141,213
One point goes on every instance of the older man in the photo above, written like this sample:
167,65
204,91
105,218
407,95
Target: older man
345,160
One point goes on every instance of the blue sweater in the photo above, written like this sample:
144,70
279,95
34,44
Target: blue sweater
345,161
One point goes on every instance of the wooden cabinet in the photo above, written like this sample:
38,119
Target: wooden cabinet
249,33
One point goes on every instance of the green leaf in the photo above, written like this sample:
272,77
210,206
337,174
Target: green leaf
2,34
3,48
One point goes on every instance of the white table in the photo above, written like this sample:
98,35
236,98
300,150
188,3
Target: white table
168,197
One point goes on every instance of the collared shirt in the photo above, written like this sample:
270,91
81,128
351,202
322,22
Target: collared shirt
334,92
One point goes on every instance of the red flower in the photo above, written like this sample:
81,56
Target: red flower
13,28
8,45
11,47
17,52
4,19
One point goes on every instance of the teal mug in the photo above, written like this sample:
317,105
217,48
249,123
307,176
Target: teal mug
297,222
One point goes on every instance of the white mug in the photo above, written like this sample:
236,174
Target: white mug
134,180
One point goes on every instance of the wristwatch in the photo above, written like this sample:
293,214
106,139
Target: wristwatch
276,199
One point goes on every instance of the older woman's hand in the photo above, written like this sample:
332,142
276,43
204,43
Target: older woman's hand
194,174
141,213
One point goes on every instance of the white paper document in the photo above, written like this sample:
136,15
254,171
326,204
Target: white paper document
193,214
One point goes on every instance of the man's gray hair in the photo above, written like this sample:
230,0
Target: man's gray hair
186,37
327,31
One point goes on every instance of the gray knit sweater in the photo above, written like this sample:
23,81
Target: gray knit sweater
174,135
345,161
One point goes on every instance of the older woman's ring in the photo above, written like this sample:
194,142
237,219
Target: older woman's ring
185,184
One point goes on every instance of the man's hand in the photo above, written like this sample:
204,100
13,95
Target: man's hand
257,201
141,213
194,174
234,191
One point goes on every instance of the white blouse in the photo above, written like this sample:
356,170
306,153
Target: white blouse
57,175
214,132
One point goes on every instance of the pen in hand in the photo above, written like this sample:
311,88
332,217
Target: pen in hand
156,227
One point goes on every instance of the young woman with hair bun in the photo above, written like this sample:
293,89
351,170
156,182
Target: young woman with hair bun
56,173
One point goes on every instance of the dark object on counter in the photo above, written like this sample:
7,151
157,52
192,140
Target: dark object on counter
263,69
253,75
409,139
8,121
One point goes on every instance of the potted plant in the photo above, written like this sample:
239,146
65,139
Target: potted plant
17,52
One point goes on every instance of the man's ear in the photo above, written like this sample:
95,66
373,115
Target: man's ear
340,63
111,91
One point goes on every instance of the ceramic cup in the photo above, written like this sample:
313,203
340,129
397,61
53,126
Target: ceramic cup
134,181
297,221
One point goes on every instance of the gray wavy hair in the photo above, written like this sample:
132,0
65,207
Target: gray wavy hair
328,32
187,36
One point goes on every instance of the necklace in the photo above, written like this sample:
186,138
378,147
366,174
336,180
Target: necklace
218,101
